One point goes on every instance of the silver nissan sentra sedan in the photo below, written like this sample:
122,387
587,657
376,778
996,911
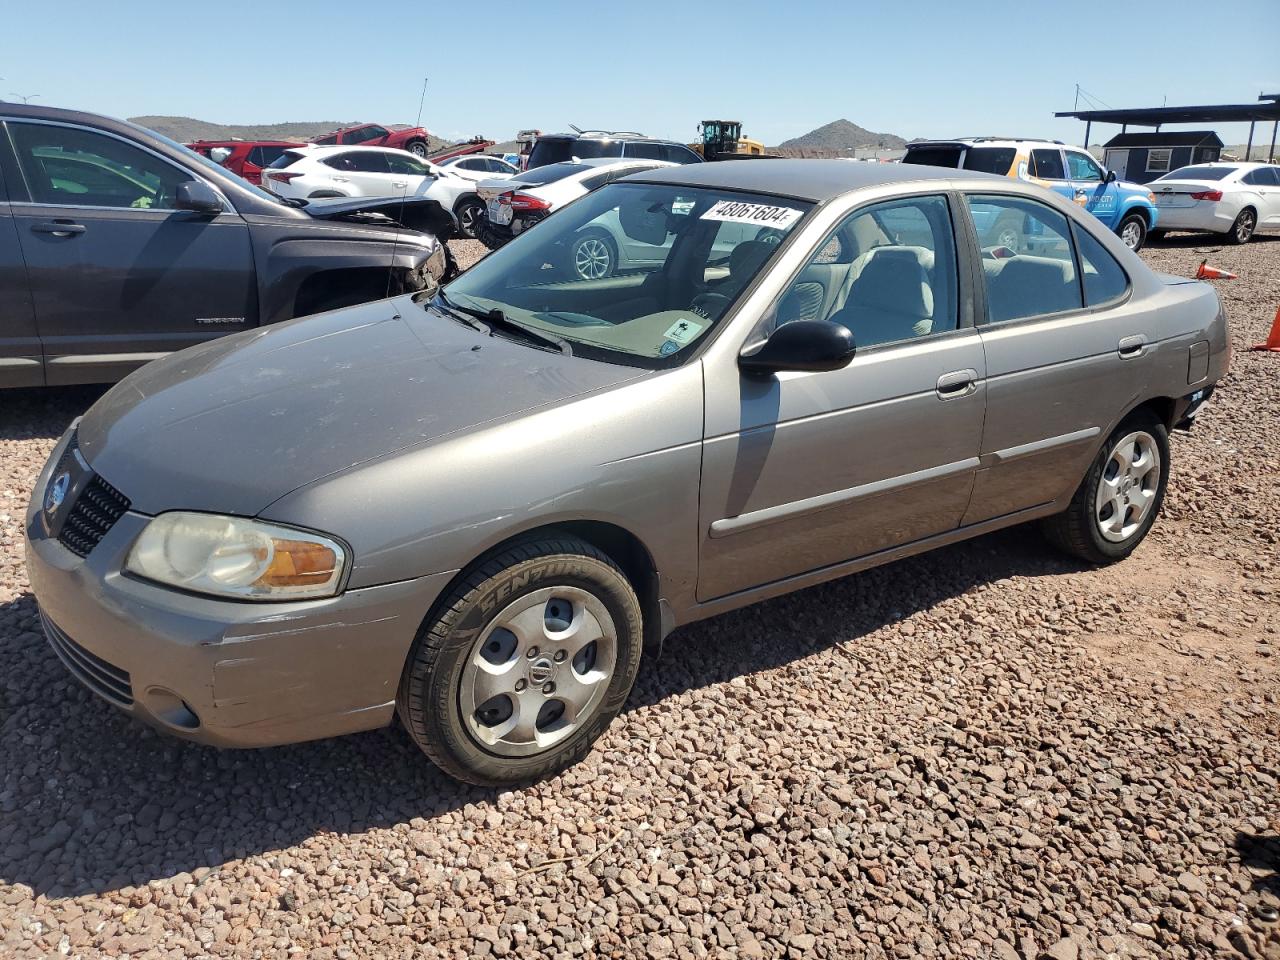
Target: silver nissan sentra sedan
475,508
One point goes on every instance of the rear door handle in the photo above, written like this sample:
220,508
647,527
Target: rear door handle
339,179
1130,347
957,383
399,183
59,228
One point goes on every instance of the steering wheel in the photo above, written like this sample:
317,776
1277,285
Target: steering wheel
709,306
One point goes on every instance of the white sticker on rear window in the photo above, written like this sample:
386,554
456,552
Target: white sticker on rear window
682,331
761,214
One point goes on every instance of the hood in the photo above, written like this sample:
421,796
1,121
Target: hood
423,214
234,424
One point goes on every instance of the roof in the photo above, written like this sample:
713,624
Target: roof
1267,108
1166,138
815,180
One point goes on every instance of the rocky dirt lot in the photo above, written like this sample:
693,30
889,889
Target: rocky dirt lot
984,752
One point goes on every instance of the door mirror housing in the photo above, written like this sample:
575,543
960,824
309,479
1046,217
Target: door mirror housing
198,197
812,345
1110,177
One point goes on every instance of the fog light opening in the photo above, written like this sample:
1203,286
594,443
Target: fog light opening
170,709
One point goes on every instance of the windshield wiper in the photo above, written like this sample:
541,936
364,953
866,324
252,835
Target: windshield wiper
495,318
461,314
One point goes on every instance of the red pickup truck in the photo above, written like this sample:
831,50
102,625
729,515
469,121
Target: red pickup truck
413,139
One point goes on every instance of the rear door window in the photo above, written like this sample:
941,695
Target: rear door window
1027,258
1104,278
1047,165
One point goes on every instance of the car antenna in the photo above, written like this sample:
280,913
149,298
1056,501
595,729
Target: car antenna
391,268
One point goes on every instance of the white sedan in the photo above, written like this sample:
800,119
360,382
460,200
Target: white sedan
316,174
514,204
1235,199
478,167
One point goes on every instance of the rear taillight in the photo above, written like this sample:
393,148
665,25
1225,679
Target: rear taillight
284,176
522,201
1207,195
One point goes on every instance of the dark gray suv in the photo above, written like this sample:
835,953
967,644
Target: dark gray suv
118,246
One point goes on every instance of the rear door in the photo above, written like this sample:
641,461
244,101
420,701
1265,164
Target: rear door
21,362
1047,168
1265,182
370,173
118,277
1064,359
1090,187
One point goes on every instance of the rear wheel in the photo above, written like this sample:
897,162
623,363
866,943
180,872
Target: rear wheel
532,658
1242,230
593,256
1120,497
1133,231
469,211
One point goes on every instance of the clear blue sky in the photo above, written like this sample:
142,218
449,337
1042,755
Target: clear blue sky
911,67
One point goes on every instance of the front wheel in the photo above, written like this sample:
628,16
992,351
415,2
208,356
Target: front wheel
1133,231
532,658
1242,230
1120,497
417,147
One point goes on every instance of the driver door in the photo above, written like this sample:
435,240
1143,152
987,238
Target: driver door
1090,187
118,277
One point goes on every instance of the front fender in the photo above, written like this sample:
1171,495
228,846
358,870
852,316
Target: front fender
1141,204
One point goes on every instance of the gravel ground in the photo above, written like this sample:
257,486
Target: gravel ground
983,752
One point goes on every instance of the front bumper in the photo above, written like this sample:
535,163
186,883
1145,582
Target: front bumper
225,673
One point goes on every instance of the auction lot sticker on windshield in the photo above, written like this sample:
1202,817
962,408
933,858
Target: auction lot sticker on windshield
761,214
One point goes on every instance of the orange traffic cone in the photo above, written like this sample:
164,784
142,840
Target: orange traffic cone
1273,338
1206,272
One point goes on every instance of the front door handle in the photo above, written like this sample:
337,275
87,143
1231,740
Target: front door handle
957,383
399,183
339,179
1130,347
59,228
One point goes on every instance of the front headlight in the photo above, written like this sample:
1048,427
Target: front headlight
234,557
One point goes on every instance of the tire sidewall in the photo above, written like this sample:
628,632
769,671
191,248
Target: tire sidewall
463,204
1113,550
442,723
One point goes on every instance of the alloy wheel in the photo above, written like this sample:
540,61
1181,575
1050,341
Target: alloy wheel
1128,486
539,671
1244,226
1131,235
592,259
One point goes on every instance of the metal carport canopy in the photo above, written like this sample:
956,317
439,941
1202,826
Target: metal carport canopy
1268,108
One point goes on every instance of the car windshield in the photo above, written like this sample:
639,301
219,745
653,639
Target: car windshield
633,273
1199,173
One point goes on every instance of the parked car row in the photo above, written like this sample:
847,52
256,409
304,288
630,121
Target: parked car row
473,508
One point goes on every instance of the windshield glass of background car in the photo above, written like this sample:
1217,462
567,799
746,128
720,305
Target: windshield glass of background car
633,273
1199,173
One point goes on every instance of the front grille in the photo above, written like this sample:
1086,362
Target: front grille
106,680
95,511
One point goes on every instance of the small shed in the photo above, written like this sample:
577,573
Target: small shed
1141,157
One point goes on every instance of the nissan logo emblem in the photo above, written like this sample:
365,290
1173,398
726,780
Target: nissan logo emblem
57,492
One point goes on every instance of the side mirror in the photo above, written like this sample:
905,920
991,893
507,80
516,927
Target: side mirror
801,345
1110,177
198,197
